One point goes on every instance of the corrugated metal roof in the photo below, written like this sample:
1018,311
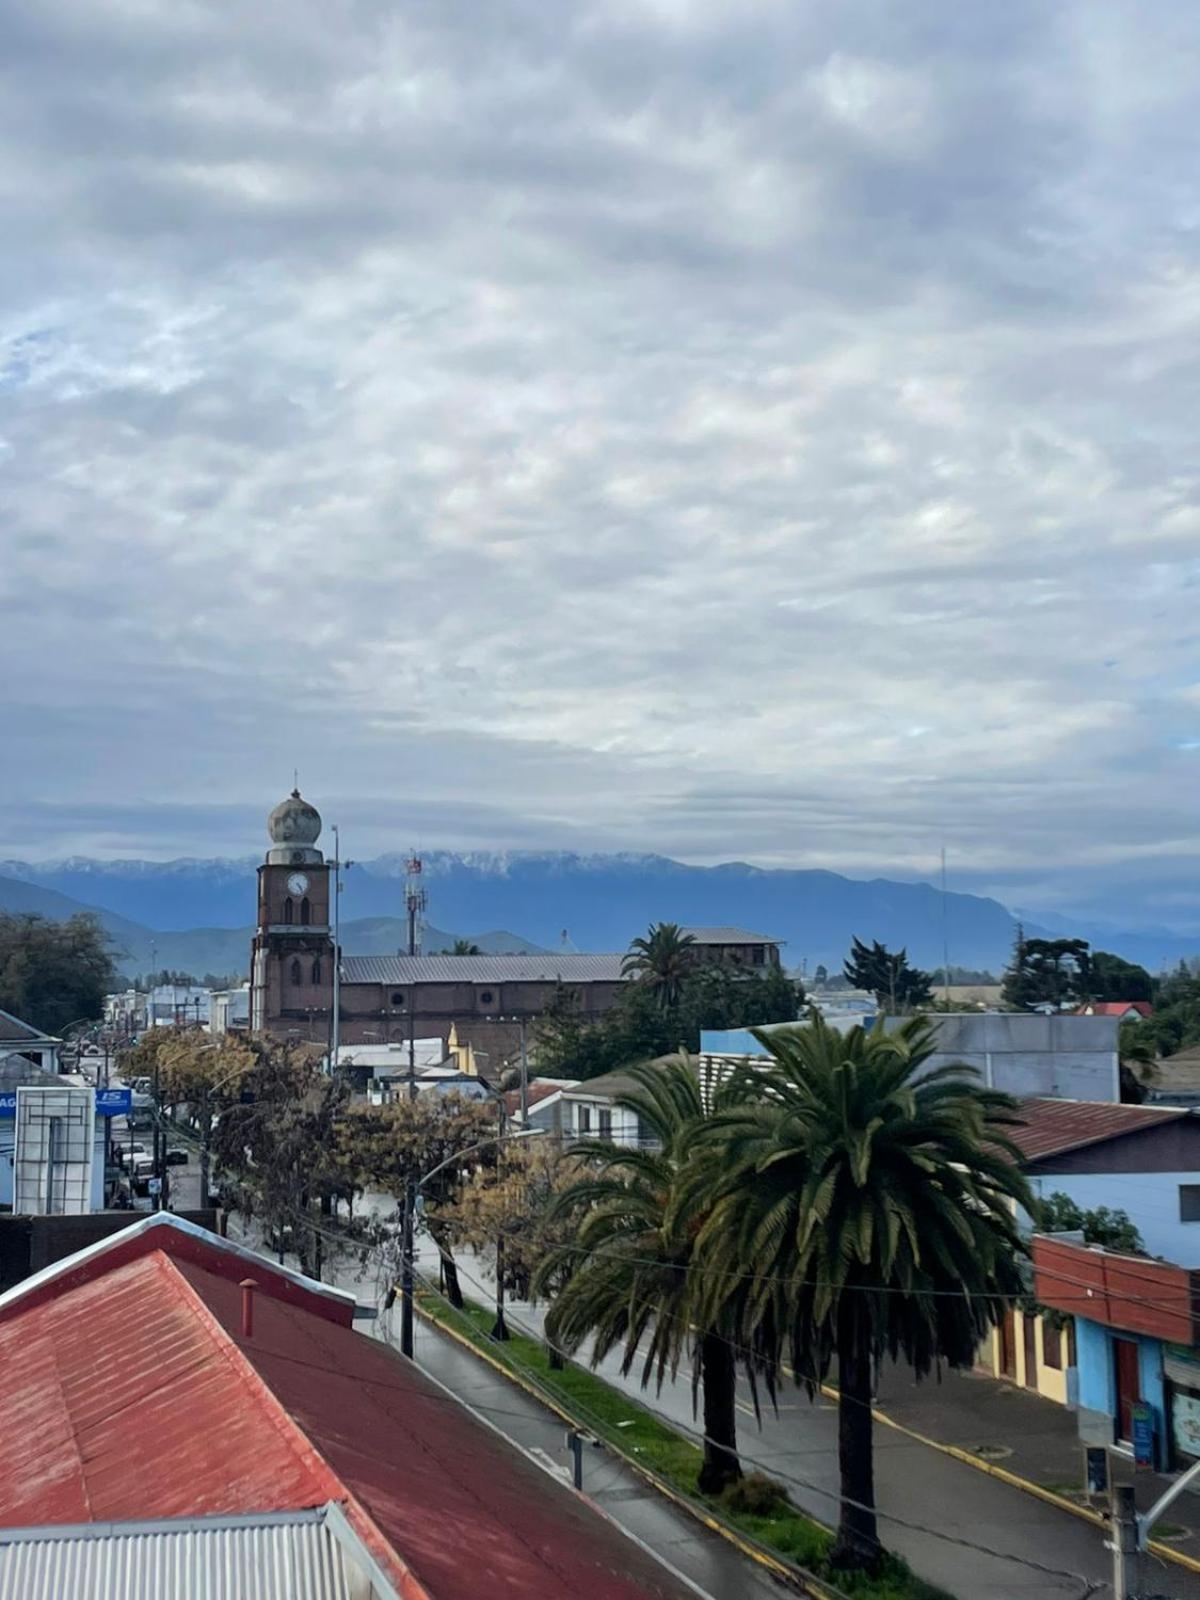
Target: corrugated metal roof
1052,1127
730,936
292,1558
482,969
120,1400
130,1392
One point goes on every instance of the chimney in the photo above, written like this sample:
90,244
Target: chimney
248,1286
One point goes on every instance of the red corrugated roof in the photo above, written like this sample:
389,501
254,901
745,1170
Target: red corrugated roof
122,1398
130,1393
1115,1008
1052,1127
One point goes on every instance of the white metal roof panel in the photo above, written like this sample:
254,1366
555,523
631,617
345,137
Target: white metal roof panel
285,1557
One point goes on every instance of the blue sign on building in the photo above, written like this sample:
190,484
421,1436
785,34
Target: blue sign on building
109,1103
1143,1433
114,1102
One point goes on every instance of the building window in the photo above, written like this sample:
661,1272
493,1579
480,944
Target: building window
295,974
305,911
606,1124
289,911
398,1000
758,955
1189,1202
585,1119
486,997
316,970
1051,1345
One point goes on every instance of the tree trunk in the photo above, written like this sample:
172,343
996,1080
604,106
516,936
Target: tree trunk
718,1378
857,1542
449,1272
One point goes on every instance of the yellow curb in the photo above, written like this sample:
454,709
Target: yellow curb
792,1574
957,1453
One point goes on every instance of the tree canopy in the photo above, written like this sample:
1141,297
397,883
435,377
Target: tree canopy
896,985
54,973
639,1027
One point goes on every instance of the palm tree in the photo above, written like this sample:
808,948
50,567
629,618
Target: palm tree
661,960
869,1202
464,947
626,1278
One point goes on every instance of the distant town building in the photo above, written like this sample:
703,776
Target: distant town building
31,1044
230,1010
1123,1010
178,1005
736,946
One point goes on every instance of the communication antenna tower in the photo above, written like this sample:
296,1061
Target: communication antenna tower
415,901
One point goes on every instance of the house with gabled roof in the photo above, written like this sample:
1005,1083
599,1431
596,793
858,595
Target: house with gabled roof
191,1401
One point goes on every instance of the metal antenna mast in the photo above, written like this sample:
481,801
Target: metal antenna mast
415,901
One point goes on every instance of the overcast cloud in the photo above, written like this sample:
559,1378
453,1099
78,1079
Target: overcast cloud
743,430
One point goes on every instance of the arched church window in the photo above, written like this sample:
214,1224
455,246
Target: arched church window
295,973
289,911
316,970
305,911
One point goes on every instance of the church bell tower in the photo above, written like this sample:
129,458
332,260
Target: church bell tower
291,964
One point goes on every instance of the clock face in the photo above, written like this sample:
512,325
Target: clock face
297,883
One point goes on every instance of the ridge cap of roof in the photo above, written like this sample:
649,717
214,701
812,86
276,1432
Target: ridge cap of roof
139,1230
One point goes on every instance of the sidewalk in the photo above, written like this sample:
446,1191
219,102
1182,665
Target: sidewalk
1022,1433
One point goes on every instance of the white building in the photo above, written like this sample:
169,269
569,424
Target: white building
230,1010
170,1005
1057,1057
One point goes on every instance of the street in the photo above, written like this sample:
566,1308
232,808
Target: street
941,1515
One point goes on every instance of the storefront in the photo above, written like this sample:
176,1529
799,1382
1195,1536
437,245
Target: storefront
1137,1338
1181,1370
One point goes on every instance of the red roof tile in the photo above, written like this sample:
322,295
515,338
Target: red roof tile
131,1393
1052,1127
1115,1008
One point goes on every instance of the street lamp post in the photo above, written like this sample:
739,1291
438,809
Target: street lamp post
407,1264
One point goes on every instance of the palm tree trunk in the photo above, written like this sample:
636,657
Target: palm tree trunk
718,1378
857,1542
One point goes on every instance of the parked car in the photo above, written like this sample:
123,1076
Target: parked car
177,1156
124,1153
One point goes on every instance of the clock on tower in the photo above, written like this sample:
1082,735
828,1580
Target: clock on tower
291,969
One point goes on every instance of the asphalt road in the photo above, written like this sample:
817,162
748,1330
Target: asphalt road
973,1535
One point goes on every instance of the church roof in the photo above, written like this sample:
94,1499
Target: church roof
482,969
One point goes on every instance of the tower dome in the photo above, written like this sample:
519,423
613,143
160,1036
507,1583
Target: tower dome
294,827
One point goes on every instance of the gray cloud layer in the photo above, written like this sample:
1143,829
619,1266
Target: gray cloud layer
741,430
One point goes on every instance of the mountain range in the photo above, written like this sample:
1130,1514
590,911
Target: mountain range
192,914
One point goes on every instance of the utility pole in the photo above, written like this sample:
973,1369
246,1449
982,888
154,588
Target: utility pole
500,1326
410,1196
524,1077
1124,1541
335,1032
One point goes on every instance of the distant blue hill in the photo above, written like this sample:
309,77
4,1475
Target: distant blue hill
596,902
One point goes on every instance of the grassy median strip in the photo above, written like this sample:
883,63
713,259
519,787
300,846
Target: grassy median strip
756,1507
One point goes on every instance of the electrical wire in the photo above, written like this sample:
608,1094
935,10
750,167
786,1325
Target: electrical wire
1088,1587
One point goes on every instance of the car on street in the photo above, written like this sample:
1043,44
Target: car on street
124,1153
177,1156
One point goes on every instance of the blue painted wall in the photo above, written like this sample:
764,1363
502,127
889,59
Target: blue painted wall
1097,1375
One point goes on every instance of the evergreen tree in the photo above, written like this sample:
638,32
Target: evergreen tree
897,986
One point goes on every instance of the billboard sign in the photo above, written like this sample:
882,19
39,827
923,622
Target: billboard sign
114,1102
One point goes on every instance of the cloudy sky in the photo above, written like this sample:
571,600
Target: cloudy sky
734,428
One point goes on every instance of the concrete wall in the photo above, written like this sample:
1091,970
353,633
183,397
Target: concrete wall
1150,1198
1062,1057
